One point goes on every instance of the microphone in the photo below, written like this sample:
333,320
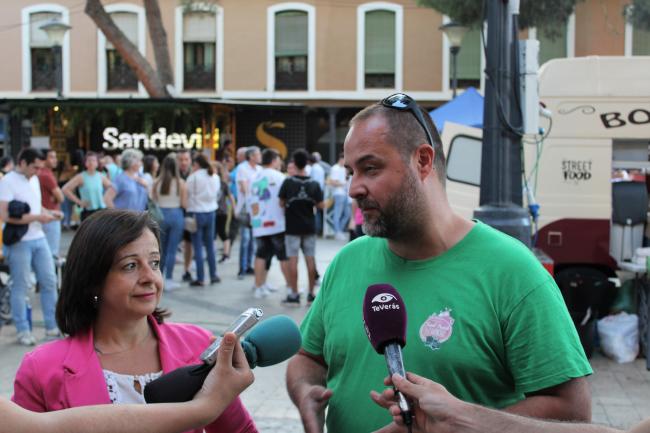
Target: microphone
384,317
274,340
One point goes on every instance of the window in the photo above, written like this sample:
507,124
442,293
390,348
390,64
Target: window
464,160
640,42
380,49
199,49
44,66
119,75
552,47
291,50
469,61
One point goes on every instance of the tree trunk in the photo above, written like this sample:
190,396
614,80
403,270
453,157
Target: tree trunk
159,40
143,70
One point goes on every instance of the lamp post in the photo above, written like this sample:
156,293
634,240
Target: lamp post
454,33
56,31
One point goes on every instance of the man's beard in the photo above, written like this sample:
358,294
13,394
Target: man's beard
400,217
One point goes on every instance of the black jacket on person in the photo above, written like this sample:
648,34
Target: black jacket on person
13,233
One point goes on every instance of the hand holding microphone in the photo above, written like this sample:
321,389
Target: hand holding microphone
384,317
272,342
229,378
436,410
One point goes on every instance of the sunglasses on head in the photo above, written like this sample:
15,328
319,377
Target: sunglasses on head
403,102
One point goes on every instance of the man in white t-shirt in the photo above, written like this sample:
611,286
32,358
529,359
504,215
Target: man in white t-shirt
31,251
246,172
318,174
338,182
267,220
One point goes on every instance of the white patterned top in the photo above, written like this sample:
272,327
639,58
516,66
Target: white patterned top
127,388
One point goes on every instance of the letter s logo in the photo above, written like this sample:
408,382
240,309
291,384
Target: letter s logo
383,298
270,141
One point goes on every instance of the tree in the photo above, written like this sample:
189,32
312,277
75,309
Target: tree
638,13
549,15
155,82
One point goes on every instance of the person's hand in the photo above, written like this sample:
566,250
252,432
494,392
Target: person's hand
436,410
83,204
45,218
312,408
57,214
228,378
387,399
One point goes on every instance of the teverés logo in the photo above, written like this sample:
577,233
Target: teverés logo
383,298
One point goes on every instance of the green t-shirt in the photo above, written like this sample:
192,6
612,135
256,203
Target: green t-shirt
485,320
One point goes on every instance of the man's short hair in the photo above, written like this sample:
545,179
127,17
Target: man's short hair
250,151
269,155
406,133
300,157
29,155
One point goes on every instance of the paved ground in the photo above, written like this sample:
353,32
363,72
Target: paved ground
621,394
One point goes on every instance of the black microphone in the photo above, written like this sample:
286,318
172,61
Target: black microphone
274,340
384,317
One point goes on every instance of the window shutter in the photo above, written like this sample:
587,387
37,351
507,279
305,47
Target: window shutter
469,56
291,34
551,48
640,42
37,37
128,23
380,42
199,27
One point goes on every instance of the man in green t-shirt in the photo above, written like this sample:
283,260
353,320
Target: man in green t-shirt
484,318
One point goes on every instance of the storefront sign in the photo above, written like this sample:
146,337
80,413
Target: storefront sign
269,140
576,170
160,140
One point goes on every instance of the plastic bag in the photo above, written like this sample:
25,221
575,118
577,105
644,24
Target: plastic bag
619,337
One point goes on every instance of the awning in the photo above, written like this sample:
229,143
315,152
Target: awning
465,109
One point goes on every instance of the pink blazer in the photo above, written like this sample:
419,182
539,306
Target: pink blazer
67,373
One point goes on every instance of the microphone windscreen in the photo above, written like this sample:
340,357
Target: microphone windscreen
384,316
177,386
273,340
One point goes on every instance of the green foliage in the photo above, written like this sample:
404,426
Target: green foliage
639,14
548,15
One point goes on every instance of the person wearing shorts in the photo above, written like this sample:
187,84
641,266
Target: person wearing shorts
301,196
267,220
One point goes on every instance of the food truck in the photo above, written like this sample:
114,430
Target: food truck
587,171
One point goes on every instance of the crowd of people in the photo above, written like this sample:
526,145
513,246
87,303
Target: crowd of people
275,208
491,345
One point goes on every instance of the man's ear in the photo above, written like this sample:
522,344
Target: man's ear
425,155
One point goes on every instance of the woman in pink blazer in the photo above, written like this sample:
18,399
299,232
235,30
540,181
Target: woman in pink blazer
117,339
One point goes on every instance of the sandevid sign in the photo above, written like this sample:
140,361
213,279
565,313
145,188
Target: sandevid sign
159,140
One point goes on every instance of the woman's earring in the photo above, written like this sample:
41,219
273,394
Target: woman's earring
95,301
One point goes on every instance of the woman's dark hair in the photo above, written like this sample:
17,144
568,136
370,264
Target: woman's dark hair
168,172
90,258
147,164
202,161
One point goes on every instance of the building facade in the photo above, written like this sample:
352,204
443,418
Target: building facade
299,70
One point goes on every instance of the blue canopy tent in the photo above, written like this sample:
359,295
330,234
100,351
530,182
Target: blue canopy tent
465,109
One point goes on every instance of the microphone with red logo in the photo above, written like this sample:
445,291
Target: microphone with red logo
384,317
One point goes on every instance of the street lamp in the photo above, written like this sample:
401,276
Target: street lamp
56,31
454,33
